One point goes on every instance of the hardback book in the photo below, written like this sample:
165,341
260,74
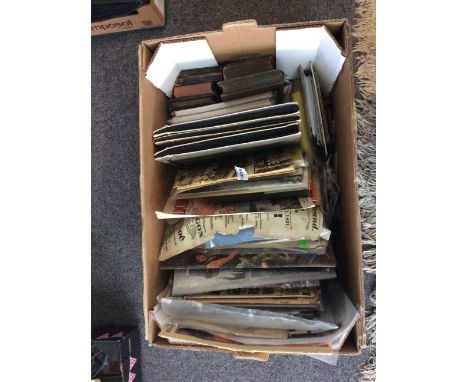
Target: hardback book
250,84
199,71
201,89
195,76
223,111
282,111
247,66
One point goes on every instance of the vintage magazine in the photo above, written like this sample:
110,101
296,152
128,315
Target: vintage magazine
262,164
297,182
235,259
187,208
193,232
192,281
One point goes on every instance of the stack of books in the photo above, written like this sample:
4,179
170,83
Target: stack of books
195,88
249,214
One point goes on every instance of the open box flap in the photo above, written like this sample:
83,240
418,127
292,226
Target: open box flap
296,47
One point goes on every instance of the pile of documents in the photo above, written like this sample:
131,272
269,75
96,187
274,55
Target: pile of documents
249,214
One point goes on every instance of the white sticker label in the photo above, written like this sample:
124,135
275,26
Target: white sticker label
241,173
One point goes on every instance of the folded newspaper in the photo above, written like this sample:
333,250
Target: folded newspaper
292,225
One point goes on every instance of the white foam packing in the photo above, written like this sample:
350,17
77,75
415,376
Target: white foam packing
171,58
300,46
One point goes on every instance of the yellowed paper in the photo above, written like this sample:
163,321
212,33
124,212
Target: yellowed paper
266,163
292,225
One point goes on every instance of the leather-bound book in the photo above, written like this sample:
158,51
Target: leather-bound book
201,90
248,66
251,84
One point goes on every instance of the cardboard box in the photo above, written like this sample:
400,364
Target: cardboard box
122,345
147,16
156,178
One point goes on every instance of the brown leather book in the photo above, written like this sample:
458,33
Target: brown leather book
248,66
201,89
198,71
251,84
197,77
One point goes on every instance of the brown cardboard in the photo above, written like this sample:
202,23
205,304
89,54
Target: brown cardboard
241,39
251,356
147,16
156,178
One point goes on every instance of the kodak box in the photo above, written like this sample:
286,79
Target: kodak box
236,39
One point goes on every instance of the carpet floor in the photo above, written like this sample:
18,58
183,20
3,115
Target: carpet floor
117,285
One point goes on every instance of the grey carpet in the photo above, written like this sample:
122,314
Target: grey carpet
117,283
